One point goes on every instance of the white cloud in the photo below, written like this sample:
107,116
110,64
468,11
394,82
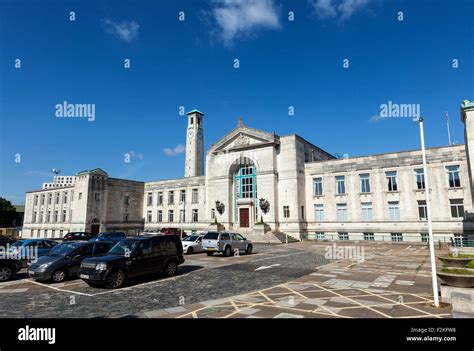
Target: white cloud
134,154
375,119
126,31
179,149
39,174
340,9
235,18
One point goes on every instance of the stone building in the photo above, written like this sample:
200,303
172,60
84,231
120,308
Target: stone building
311,193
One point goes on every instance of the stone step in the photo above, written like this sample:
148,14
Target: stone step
282,237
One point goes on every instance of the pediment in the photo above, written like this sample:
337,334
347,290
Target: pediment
244,137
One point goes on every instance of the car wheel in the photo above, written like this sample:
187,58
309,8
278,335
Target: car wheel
171,268
190,250
249,250
115,279
58,276
227,251
210,253
5,274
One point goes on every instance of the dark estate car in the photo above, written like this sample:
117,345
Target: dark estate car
8,267
65,259
78,236
109,236
134,257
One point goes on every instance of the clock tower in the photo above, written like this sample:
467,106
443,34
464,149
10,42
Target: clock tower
194,145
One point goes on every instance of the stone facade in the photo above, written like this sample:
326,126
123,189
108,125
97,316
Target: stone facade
311,193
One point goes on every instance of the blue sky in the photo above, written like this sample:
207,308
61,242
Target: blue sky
191,63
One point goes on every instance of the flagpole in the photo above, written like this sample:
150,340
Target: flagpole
449,130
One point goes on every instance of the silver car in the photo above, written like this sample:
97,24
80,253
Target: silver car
228,243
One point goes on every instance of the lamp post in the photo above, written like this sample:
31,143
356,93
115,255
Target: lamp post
434,280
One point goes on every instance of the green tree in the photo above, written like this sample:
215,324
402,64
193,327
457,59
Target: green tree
7,213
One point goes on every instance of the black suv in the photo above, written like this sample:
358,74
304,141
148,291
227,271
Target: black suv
8,267
133,257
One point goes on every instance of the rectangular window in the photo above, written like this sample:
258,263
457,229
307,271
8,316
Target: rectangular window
126,200
149,200
340,185
35,217
97,196
160,198
341,212
319,212
457,208
195,196
171,198
320,236
364,183
64,216
420,179
213,213
182,216
453,176
36,200
396,236
80,196
424,237
49,217
367,211
394,210
50,198
56,216
125,217
302,212
391,180
149,216
195,215
57,198
170,216
41,220
42,199
422,214
286,211
317,186
182,196
65,197
369,237
160,216
343,235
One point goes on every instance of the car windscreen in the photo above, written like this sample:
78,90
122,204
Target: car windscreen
124,246
17,243
190,238
62,249
211,236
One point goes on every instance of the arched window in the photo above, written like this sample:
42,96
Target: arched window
245,184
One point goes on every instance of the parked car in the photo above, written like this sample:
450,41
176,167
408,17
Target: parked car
133,257
172,231
4,241
65,259
192,244
8,268
226,243
109,236
78,236
30,249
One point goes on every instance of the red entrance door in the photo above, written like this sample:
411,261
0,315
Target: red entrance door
244,217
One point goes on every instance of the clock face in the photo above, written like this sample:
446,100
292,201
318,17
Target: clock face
190,133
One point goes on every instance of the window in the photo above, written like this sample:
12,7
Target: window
319,235
195,215
195,196
149,216
63,219
317,186
367,211
160,198
80,196
65,197
42,199
149,200
302,212
49,217
213,213
420,179
97,196
340,185
396,236
422,213
453,176
424,237
50,198
182,196
171,198
369,236
35,216
319,212
56,216
364,183
36,200
41,219
286,211
392,180
343,236
125,217
170,216
394,210
160,216
341,212
57,198
457,208
182,216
